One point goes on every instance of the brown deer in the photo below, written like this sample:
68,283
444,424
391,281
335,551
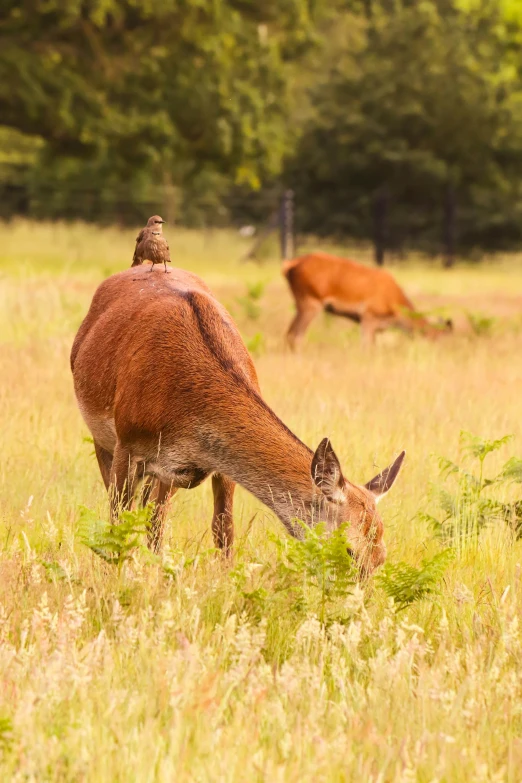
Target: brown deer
170,394
369,296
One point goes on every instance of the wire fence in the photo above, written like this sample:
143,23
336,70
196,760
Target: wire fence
440,227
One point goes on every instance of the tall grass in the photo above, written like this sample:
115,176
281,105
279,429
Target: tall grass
190,669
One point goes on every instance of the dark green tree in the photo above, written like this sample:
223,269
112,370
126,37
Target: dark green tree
180,84
423,110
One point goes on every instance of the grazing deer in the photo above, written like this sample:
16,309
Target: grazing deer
371,297
169,392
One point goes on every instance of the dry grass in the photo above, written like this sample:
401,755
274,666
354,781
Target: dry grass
118,675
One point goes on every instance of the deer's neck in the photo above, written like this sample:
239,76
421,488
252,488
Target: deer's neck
259,452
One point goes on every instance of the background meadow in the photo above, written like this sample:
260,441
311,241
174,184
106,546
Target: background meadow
274,667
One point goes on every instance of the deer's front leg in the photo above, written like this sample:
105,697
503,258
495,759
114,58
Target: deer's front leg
160,497
123,477
222,521
104,458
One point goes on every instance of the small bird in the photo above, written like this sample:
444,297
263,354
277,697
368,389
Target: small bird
151,245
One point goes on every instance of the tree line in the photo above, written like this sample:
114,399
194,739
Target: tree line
396,120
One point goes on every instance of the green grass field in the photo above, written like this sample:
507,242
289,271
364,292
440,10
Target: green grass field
185,668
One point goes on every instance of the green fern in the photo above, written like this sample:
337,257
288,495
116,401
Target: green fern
55,573
256,290
512,470
256,344
321,562
309,576
250,302
114,543
467,502
117,543
477,447
482,325
407,584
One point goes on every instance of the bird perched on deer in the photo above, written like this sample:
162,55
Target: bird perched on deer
151,245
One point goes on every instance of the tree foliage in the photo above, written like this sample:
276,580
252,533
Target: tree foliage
197,82
427,99
416,106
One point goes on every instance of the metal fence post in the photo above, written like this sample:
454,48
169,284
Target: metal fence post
450,219
380,223
286,225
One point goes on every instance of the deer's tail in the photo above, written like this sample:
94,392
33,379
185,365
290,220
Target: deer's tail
287,265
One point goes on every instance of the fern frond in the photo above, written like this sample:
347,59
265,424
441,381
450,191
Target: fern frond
407,584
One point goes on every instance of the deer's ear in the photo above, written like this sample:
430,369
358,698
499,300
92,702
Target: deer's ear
383,482
327,474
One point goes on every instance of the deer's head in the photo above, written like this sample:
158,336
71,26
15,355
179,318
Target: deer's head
344,502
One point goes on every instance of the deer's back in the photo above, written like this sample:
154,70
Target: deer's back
332,279
156,347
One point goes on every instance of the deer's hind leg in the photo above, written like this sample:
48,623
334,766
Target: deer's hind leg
307,309
222,520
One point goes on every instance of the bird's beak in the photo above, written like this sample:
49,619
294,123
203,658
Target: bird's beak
163,221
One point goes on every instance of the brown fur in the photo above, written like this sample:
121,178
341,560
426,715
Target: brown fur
369,296
170,393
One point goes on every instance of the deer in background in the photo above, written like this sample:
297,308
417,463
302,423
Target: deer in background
169,392
369,296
